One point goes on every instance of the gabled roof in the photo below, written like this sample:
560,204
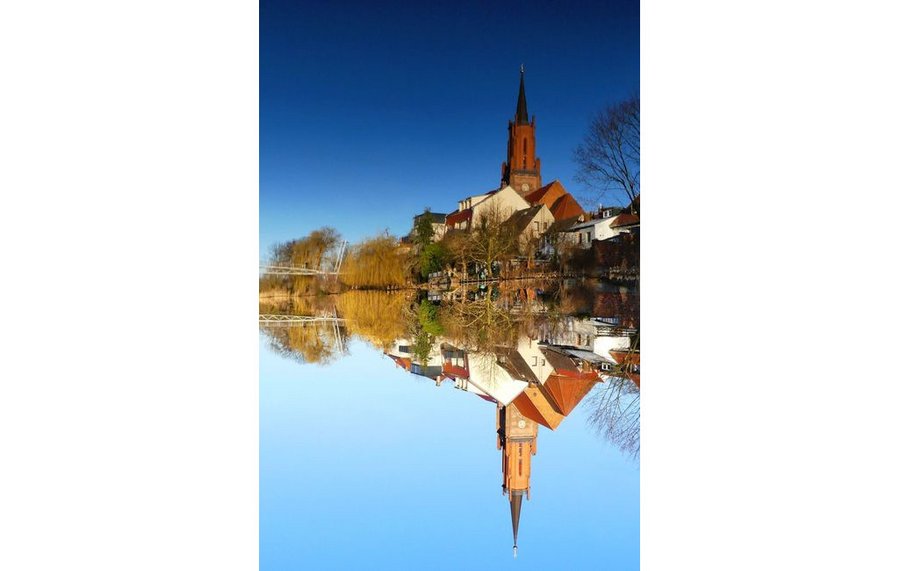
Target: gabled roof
625,220
436,217
534,404
567,385
588,223
460,216
635,205
536,195
562,225
520,219
559,362
404,362
512,362
566,207
629,359
566,392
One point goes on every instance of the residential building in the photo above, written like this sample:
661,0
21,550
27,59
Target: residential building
530,224
438,224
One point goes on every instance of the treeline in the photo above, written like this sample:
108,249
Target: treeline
379,262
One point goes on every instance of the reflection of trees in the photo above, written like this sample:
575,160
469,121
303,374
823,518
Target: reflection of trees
616,407
589,298
480,323
375,316
616,413
379,317
318,343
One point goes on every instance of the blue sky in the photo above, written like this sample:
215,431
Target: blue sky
370,112
365,466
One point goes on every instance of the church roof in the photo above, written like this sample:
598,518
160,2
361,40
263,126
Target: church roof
535,405
567,385
567,392
537,195
566,207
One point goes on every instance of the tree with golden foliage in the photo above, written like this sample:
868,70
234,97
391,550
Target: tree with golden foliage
376,262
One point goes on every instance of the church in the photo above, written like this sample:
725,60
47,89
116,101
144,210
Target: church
521,184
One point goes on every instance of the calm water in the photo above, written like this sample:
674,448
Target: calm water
386,421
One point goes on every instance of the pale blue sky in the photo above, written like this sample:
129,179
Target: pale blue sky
363,465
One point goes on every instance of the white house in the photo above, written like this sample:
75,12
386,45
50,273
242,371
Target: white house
602,228
491,375
504,202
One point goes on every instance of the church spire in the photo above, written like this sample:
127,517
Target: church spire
522,107
522,169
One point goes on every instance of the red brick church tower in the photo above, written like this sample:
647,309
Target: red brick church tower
522,169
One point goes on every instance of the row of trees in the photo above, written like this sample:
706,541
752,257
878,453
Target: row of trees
608,160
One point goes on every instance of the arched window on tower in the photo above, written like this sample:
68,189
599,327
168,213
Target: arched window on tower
524,152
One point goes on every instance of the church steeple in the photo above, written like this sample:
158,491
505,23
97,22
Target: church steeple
522,169
522,106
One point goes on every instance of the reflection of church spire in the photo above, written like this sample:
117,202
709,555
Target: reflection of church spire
515,508
517,438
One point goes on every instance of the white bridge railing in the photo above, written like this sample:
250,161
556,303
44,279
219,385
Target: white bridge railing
304,271
273,319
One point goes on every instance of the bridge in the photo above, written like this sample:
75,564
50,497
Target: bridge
334,270
277,319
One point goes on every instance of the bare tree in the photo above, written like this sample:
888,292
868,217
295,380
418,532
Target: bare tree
616,405
609,157
616,414
489,241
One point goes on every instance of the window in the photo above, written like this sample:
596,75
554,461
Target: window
534,360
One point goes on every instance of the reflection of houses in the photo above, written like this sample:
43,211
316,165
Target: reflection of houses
455,365
402,354
532,384
618,349
498,375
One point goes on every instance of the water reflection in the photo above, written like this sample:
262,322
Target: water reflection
535,353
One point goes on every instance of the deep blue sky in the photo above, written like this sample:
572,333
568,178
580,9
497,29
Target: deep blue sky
370,112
